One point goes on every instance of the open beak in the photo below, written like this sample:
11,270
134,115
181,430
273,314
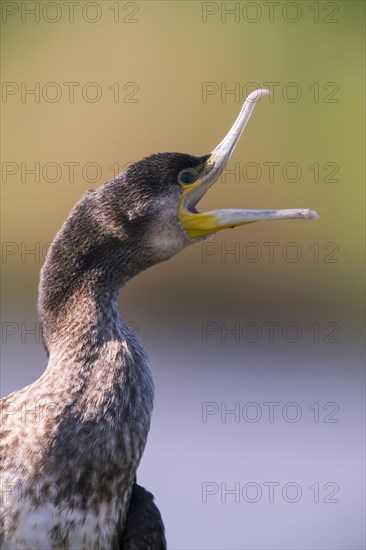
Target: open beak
198,224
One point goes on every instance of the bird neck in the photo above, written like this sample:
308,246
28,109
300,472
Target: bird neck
93,355
87,320
79,287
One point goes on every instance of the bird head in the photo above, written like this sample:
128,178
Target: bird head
158,196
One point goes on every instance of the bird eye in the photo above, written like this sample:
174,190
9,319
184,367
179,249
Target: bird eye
186,177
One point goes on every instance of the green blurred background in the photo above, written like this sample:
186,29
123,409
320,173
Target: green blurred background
161,56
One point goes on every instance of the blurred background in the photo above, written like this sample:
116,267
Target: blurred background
256,337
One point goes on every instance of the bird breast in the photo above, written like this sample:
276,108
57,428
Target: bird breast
71,449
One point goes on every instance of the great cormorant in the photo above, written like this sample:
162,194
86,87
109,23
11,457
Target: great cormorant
73,439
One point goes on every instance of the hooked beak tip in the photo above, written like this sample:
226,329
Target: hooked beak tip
310,214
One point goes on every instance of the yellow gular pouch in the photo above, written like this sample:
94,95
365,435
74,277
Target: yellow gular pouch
196,224
202,223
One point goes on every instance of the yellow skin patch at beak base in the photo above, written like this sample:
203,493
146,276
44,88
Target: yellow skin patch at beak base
197,225
201,223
